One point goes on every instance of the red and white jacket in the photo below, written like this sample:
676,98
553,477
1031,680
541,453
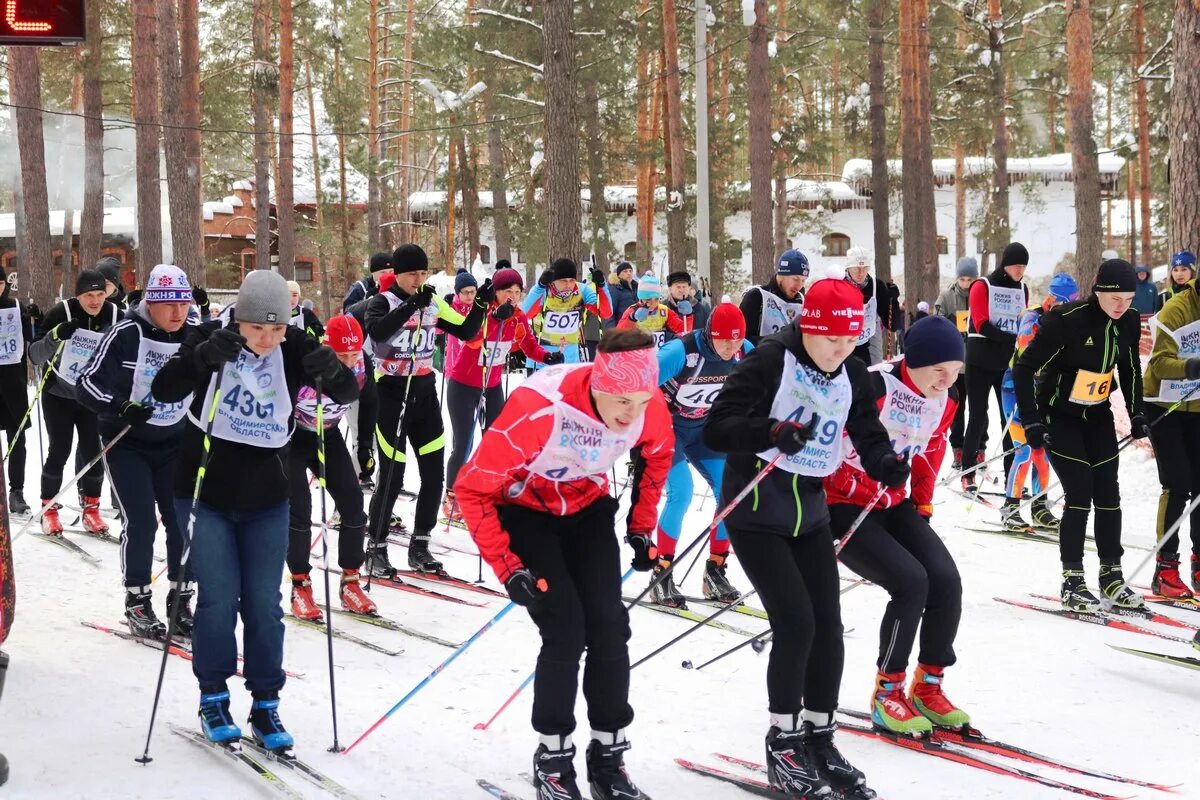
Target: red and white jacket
549,451
917,426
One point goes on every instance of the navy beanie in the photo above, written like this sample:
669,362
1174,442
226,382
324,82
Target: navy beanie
462,280
932,340
792,262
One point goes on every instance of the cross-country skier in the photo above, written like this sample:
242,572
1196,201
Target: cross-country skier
536,500
953,304
71,332
1062,290
776,304
378,265
650,315
110,268
1077,348
116,386
691,371
557,305
894,546
247,376
1183,270
303,317
15,334
790,399
469,363
402,323
681,298
879,306
344,336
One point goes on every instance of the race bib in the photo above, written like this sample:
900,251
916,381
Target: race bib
803,392
961,318
1005,307
12,341
560,323
410,350
776,313
870,320
331,412
150,358
254,407
1174,390
660,338
909,418
494,353
75,355
1091,388
699,396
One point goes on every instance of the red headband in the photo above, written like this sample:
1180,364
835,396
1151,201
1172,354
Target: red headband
625,372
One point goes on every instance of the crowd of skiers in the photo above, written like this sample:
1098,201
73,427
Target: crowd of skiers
817,443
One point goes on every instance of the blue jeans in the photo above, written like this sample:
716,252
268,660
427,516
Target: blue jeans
237,558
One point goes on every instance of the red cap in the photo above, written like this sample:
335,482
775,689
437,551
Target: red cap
727,322
386,281
343,334
832,308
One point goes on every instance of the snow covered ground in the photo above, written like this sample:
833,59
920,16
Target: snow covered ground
77,703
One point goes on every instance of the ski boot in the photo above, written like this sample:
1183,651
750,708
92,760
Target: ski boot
377,562
847,781
215,722
554,771
927,696
969,487
1115,590
716,585
892,711
397,526
1195,574
450,509
419,557
1196,640
92,523
51,524
1075,594
303,605
957,466
1042,516
265,726
606,773
1166,582
790,769
181,595
16,503
1010,517
354,599
139,615
665,593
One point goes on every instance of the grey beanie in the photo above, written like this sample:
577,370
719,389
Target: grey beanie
264,298
967,267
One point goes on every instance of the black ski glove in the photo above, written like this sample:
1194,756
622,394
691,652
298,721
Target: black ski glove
1037,435
1139,428
597,278
503,312
222,345
132,413
546,278
790,437
526,589
201,298
65,330
1191,368
422,297
322,364
485,294
552,358
645,552
893,471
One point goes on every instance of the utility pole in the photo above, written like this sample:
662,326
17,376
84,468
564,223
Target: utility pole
703,248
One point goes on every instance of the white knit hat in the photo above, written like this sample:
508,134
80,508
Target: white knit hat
167,284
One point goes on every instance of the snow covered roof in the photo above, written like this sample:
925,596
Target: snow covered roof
1056,167
117,221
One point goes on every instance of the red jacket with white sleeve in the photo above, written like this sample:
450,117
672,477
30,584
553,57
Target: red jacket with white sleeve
549,451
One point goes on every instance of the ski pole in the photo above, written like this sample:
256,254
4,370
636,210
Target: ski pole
695,627
36,396
145,758
845,540
1166,537
691,566
717,520
385,514
481,417
336,748
436,671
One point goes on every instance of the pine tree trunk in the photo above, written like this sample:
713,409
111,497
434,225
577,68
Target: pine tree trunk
182,191
759,116
646,118
499,194
470,197
880,213
1088,243
374,200
920,243
91,222
189,72
451,206
25,86
1143,128
564,226
598,243
406,150
261,79
323,265
677,166
145,116
999,213
1185,122
285,202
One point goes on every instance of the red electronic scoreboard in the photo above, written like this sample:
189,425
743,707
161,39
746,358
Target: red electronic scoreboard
40,23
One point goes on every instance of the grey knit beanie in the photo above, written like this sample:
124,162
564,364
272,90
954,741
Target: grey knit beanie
264,298
967,267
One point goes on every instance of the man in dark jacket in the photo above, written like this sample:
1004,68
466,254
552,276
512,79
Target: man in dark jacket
776,304
1145,297
622,287
681,298
364,288
15,335
954,305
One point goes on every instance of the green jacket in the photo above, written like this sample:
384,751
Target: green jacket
1183,308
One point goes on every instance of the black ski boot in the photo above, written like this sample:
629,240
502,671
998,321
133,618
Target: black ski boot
1075,594
716,585
1010,517
554,772
840,774
665,593
377,563
264,722
790,770
139,615
1042,516
419,557
1115,590
397,526
606,772
16,503
182,595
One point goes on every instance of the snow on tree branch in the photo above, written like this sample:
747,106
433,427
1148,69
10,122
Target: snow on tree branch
510,59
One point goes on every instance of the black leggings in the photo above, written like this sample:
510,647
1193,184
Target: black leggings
797,580
959,425
63,418
366,413
14,403
1083,452
462,402
343,488
421,415
580,559
980,382
896,549
1176,442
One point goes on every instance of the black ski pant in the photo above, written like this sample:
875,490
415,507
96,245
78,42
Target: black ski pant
14,403
1176,440
580,559
63,418
143,477
462,402
959,425
1083,452
366,414
981,382
343,486
797,580
419,419
897,549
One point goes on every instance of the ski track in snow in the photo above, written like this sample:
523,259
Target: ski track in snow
77,702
